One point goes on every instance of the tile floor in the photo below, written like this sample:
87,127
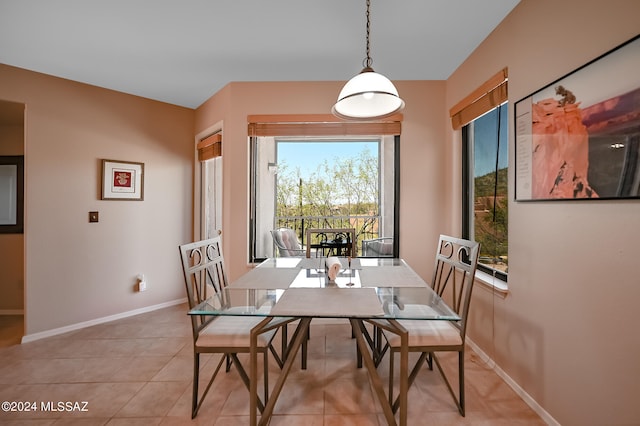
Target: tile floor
137,371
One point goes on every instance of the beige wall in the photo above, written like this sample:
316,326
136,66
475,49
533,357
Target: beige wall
567,333
78,271
11,245
422,147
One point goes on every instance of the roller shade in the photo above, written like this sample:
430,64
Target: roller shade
485,98
319,125
210,147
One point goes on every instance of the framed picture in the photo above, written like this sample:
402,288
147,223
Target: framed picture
12,194
579,137
122,180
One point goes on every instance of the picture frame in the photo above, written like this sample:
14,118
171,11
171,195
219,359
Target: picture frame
578,138
122,180
11,194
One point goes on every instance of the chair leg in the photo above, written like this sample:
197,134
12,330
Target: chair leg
391,377
374,341
286,349
461,380
358,354
196,374
377,343
284,339
228,364
412,378
459,399
197,402
305,350
266,376
359,357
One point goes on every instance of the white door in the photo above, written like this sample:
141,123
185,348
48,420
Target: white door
211,197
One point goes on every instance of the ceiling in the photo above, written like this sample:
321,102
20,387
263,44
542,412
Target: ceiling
182,52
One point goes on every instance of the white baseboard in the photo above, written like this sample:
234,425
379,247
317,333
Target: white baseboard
80,325
11,311
546,417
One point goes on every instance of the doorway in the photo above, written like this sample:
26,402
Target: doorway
211,195
207,213
11,242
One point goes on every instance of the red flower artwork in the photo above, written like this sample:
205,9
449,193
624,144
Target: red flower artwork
122,179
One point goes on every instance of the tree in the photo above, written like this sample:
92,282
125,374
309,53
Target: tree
346,187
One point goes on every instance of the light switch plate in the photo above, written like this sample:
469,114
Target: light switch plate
93,217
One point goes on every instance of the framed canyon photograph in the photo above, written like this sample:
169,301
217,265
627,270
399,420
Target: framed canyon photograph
578,138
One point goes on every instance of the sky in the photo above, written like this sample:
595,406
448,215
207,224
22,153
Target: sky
485,142
308,155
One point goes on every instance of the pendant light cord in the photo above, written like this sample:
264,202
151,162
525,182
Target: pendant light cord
368,61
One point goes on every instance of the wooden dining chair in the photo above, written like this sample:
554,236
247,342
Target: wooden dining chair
455,265
204,275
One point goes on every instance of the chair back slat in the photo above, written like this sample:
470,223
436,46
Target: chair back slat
454,272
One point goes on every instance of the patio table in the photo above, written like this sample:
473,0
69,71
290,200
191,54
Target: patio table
342,244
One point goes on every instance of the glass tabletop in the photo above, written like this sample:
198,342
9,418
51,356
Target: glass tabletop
284,287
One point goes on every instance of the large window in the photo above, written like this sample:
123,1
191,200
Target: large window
311,171
485,202
329,183
310,182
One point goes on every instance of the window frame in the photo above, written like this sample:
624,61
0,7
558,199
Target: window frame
468,190
254,167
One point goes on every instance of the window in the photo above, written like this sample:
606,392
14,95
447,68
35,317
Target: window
351,183
301,183
329,183
485,199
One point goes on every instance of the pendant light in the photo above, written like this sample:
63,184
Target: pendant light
368,95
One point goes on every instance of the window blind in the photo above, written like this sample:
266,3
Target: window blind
488,96
319,125
210,147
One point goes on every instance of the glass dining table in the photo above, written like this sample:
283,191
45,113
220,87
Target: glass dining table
378,290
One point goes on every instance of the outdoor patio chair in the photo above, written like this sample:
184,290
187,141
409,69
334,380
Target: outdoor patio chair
378,247
287,243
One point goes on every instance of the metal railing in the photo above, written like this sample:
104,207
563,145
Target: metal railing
366,226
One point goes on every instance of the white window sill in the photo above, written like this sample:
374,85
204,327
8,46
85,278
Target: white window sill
490,282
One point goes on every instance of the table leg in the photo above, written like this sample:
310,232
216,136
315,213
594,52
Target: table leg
404,370
253,370
395,327
376,381
299,336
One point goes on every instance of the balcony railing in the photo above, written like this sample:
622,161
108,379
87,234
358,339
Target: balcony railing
366,226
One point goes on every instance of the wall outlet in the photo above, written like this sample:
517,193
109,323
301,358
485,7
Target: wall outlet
142,285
